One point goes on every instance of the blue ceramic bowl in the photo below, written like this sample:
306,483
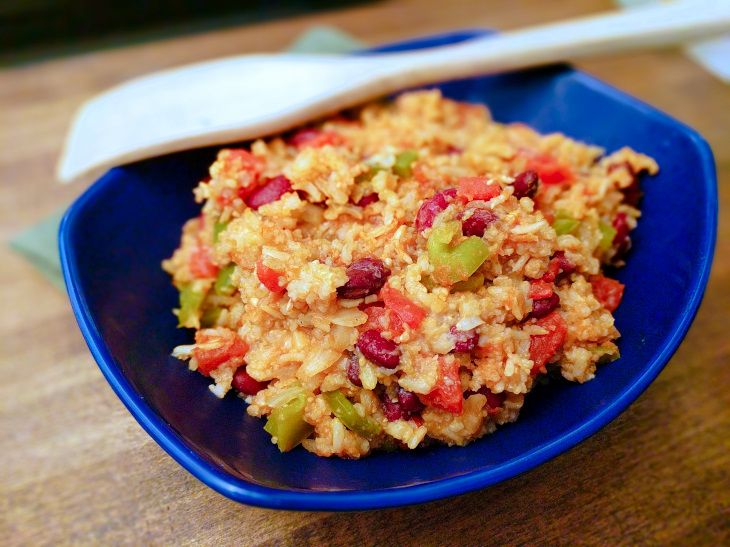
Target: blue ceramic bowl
115,236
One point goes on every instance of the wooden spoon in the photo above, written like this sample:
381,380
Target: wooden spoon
249,96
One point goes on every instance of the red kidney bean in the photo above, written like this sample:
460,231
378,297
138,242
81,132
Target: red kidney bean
367,200
614,166
315,137
269,192
621,240
393,410
477,223
303,136
243,382
377,349
621,224
494,400
366,276
409,401
466,341
526,184
632,193
566,265
560,266
544,306
432,207
353,370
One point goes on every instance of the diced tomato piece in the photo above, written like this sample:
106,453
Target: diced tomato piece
540,289
201,262
478,188
553,271
210,359
410,312
226,197
607,291
316,138
243,166
548,168
383,319
240,156
419,174
482,352
447,394
243,192
544,346
270,278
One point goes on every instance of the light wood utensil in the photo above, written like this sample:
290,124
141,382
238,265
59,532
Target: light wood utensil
244,97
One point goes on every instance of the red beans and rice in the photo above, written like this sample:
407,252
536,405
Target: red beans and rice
404,274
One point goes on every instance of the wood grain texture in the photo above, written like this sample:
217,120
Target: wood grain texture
77,468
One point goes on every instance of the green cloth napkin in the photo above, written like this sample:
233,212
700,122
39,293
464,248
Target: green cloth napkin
39,243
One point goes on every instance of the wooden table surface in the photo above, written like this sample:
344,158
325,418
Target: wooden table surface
77,468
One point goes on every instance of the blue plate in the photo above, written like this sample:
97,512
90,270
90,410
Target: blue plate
115,236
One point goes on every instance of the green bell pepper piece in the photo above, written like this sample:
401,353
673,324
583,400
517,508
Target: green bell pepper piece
349,416
367,176
454,263
443,233
286,421
470,285
606,354
427,282
223,285
403,161
608,232
210,316
217,229
191,298
564,222
564,226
